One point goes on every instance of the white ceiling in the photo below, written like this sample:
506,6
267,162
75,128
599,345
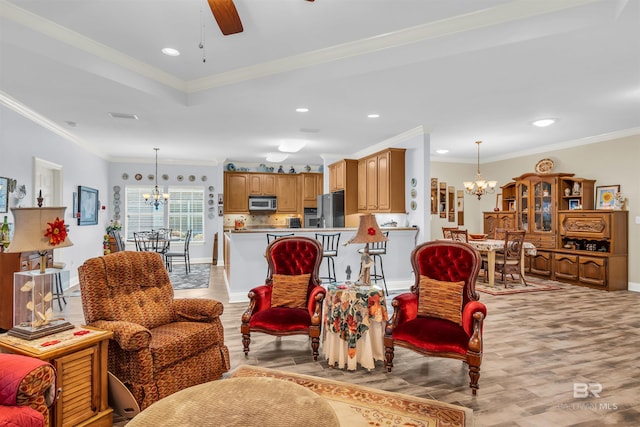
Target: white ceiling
462,70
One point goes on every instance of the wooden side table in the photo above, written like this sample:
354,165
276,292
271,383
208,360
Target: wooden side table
80,358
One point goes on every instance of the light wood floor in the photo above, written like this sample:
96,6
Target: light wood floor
536,347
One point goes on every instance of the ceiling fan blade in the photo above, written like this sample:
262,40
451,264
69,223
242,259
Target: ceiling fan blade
226,15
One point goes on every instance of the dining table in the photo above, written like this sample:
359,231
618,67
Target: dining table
491,246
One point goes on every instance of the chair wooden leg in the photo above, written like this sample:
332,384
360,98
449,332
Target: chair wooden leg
315,345
474,359
246,340
388,357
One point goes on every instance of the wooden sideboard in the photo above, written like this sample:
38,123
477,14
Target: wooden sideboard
580,246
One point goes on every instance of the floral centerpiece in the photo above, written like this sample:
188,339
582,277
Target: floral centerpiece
114,226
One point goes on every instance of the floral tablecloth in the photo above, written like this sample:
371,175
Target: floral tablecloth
354,319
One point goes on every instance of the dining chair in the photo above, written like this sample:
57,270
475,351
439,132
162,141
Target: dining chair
460,235
509,260
446,231
184,254
143,241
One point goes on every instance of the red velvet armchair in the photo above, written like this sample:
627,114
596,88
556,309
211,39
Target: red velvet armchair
290,301
441,315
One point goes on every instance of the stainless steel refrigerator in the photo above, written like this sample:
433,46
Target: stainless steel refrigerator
331,210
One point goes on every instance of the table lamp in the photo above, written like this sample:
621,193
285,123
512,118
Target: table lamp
37,230
368,232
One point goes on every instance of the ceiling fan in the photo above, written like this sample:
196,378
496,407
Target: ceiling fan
226,15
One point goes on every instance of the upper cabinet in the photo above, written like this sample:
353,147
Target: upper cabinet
312,187
381,181
236,197
576,193
287,193
262,184
343,173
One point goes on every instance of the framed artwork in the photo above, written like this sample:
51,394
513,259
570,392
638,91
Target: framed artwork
434,195
4,195
220,199
88,206
605,196
220,211
574,204
442,200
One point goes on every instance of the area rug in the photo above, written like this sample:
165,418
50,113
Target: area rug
198,277
357,405
534,284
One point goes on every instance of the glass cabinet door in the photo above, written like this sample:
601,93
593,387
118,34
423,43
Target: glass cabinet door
543,206
523,206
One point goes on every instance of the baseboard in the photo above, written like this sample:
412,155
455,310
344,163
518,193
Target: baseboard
634,287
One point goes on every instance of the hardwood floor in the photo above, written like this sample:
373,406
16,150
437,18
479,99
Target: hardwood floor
538,348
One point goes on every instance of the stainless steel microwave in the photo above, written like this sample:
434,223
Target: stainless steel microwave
263,203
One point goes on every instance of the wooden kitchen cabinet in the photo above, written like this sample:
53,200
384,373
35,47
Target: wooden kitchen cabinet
261,184
343,174
312,187
287,193
384,179
236,196
81,367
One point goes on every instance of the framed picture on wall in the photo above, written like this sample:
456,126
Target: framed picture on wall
4,195
88,206
606,196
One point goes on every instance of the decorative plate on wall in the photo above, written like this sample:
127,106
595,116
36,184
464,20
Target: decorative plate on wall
125,176
150,177
203,178
544,166
165,176
414,193
138,176
414,206
180,177
116,188
192,178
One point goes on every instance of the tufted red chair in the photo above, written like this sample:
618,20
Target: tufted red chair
418,323
161,344
289,258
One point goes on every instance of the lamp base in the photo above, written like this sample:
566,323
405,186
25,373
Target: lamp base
31,333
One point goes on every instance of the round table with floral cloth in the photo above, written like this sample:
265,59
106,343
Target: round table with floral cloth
353,330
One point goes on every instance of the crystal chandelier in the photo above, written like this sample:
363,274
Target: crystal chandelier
156,198
479,187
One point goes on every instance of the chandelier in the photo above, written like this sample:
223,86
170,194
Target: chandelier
479,187
156,198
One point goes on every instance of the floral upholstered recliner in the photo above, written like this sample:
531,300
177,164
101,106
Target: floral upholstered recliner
161,345
27,390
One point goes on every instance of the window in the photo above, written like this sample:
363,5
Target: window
185,210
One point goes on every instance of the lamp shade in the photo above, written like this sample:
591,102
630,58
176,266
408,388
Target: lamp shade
368,231
39,229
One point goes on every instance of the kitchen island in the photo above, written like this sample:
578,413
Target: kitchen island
246,265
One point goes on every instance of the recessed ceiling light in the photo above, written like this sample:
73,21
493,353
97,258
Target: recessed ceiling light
544,122
292,146
169,51
302,110
123,116
276,157
71,124
442,151
373,116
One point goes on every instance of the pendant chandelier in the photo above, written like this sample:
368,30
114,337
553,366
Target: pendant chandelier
156,198
479,187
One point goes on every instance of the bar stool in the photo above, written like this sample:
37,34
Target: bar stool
58,292
376,250
270,238
329,244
